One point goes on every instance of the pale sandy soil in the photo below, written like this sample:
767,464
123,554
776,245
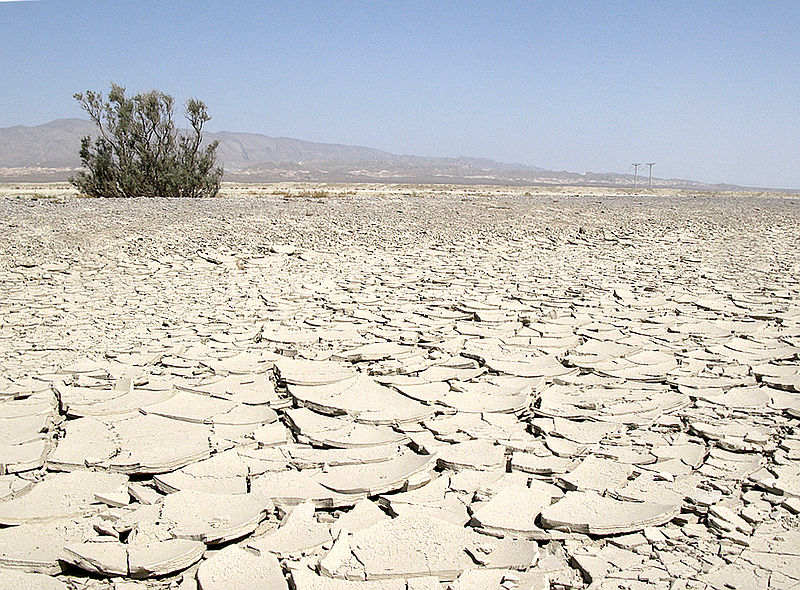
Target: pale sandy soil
257,189
297,385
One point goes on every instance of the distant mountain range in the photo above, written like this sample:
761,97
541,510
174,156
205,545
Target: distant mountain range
50,152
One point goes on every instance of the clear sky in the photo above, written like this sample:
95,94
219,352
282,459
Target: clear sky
708,90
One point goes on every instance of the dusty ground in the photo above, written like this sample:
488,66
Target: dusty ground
557,389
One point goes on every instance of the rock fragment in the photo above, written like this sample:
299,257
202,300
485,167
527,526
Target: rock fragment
60,495
14,580
407,547
212,518
238,567
590,513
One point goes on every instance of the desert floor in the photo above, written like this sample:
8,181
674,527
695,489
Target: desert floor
400,387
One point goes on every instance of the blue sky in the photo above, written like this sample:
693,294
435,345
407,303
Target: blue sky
707,90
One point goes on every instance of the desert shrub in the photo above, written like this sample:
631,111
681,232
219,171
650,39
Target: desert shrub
140,153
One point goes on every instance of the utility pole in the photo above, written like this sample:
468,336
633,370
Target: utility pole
650,181
635,172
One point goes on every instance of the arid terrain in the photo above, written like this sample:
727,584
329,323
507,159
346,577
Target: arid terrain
49,153
399,387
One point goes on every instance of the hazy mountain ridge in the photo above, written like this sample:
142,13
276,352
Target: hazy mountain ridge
50,152
53,144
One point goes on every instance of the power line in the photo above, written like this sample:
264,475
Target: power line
635,172
650,181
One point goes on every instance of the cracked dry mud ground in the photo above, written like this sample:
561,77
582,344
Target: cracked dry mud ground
467,389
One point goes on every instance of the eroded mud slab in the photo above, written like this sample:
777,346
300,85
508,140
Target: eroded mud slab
434,388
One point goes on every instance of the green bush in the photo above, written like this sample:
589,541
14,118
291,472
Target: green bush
140,153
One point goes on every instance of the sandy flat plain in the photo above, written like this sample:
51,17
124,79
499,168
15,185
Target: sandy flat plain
400,387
